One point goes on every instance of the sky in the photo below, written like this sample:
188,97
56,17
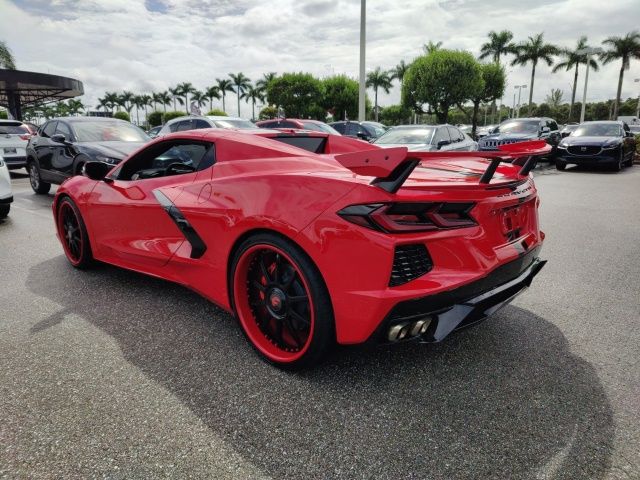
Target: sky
150,45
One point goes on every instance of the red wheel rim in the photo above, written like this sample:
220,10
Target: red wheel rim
273,303
70,232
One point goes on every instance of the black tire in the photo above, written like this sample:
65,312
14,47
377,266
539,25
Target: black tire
38,186
4,210
560,165
82,257
321,335
619,165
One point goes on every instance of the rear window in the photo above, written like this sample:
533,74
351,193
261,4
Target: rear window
13,130
310,144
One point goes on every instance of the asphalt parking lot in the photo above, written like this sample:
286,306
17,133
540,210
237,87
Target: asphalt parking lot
111,374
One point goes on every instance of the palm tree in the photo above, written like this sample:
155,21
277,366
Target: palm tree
198,98
125,99
534,50
74,107
398,71
624,48
499,44
210,93
176,95
136,101
241,83
224,86
266,79
184,90
104,103
431,47
253,94
164,98
112,99
554,99
146,101
376,79
7,59
573,59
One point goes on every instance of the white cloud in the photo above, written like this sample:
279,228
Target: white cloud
121,44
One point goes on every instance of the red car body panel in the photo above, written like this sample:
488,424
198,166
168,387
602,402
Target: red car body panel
258,183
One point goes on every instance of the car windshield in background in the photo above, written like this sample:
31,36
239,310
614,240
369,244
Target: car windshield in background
320,127
597,130
377,127
516,126
13,130
108,132
244,124
406,136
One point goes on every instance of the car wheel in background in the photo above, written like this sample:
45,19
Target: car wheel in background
281,302
35,180
4,211
560,165
73,234
619,165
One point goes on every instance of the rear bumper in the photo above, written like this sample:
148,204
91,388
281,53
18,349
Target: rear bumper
15,162
6,200
465,305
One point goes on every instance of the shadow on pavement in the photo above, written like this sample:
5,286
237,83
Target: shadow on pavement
506,399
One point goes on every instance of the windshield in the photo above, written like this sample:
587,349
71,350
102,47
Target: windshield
597,130
518,126
9,129
378,128
406,136
320,127
243,124
105,131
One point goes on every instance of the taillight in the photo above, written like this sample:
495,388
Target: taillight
26,136
410,217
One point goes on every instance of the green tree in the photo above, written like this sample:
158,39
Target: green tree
268,113
340,97
376,79
111,99
74,106
554,99
224,86
442,79
122,116
626,49
184,90
164,99
125,100
199,98
154,118
398,71
395,115
263,83
299,94
170,115
500,43
253,94
176,95
211,93
431,47
533,51
240,83
7,60
572,60
494,81
216,112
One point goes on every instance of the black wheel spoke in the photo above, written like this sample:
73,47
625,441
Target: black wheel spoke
264,269
297,298
293,332
292,277
259,286
299,317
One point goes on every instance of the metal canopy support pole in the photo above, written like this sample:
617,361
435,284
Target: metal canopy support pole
362,91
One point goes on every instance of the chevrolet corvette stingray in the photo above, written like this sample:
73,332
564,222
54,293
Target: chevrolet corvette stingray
312,239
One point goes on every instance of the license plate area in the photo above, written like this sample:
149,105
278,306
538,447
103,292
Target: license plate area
10,150
514,221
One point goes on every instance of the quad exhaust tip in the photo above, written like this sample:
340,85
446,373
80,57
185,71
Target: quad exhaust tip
402,331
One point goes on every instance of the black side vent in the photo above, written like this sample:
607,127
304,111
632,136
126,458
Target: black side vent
409,263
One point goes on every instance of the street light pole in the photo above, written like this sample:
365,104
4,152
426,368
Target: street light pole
519,87
513,110
637,80
362,92
586,51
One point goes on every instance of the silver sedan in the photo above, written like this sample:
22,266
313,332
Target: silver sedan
427,138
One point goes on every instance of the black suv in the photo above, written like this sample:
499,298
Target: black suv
364,130
63,145
521,130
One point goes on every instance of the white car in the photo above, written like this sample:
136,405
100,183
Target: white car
427,138
6,195
14,136
193,122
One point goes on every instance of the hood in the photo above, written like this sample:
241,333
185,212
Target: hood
414,147
510,136
599,141
117,150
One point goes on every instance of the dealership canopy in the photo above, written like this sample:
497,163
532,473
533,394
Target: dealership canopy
20,89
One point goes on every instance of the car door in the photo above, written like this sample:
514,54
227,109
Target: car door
129,222
43,146
62,155
457,139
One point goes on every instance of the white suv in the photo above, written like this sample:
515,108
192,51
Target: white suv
6,195
193,122
14,136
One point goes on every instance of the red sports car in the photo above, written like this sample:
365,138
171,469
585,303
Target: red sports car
312,239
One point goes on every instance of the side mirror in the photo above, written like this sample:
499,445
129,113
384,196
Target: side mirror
362,135
59,138
97,170
545,130
442,143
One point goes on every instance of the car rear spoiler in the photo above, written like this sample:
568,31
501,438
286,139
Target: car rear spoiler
392,166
